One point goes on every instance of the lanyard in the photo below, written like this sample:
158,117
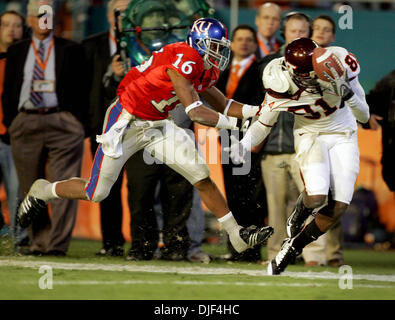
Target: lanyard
263,46
43,65
112,38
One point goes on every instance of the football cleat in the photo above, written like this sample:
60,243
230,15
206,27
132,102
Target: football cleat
284,257
34,203
30,208
254,235
296,220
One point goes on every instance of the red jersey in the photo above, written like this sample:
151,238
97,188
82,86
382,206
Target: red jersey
147,91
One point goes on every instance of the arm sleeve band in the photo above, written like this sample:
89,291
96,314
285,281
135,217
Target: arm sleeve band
228,106
193,106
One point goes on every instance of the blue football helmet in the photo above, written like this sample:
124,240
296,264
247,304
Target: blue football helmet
210,38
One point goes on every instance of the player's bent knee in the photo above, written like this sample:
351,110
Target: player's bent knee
200,176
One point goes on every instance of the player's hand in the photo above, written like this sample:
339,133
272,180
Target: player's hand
250,111
236,151
339,84
118,66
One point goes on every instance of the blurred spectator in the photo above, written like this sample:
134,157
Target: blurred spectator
268,21
100,51
280,171
245,193
324,30
12,27
328,249
381,100
44,102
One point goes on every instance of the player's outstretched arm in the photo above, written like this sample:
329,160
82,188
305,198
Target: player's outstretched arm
229,107
194,108
260,129
255,135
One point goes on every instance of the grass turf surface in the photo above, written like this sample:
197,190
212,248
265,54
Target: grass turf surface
82,275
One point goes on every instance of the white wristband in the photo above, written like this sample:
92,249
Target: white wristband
54,191
193,106
227,107
249,111
225,122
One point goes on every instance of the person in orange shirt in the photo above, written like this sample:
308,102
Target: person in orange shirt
11,30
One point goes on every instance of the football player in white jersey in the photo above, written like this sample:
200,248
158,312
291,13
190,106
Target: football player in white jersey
325,133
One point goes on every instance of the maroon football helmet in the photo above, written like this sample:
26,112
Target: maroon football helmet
298,60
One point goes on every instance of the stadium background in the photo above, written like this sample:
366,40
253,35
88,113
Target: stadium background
371,40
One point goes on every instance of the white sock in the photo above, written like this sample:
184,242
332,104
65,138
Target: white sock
49,193
228,222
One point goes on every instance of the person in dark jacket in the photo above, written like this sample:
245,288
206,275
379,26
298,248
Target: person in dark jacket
45,107
381,100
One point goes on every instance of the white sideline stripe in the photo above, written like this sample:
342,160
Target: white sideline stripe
332,275
198,283
187,270
186,283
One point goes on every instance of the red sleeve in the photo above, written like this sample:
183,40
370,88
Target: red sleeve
126,80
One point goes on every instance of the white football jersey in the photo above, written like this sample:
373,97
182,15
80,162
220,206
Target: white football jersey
313,112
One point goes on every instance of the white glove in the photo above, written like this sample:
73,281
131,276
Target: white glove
236,151
226,122
250,111
339,84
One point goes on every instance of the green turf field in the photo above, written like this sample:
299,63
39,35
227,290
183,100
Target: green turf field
82,275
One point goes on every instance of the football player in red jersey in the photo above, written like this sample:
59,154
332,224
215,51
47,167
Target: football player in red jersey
137,119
